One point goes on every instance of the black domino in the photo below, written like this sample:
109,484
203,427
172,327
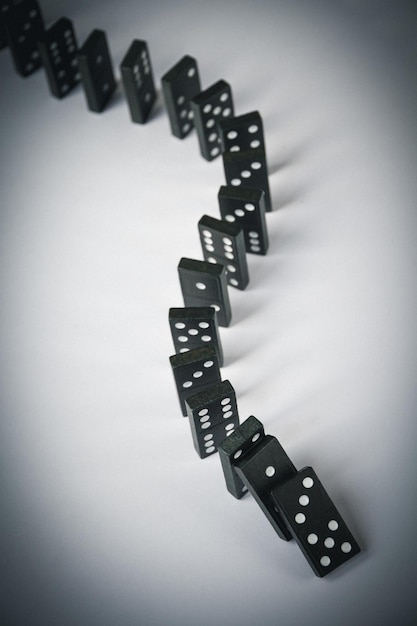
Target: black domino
314,522
246,207
248,435
58,50
5,6
244,132
24,27
194,371
223,242
205,284
179,85
213,416
262,469
192,327
138,82
209,107
247,168
96,71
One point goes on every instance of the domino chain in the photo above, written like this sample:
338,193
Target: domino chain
279,491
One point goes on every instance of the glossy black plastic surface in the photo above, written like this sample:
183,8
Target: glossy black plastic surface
209,107
194,371
192,327
213,416
179,85
138,82
223,242
205,284
96,71
58,50
246,207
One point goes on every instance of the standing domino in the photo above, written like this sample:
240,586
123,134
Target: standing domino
193,327
246,207
224,243
194,371
213,416
244,132
205,284
138,81
96,71
58,50
24,27
5,6
249,434
209,107
247,168
179,85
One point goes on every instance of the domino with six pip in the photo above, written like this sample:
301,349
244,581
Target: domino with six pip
5,6
179,85
213,416
247,168
24,26
240,443
96,71
194,371
58,50
314,522
138,82
263,468
209,107
192,327
205,284
246,207
224,243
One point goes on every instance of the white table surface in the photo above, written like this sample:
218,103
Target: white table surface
108,515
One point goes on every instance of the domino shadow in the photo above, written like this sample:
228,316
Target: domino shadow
282,198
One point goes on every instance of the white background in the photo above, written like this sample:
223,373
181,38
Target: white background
109,517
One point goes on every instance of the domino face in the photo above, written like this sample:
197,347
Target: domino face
193,327
24,27
223,242
262,469
248,435
96,71
247,168
179,85
58,50
138,82
314,522
246,207
205,284
209,107
213,416
194,371
242,133
5,6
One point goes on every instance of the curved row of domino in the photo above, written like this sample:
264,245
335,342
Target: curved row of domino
295,502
